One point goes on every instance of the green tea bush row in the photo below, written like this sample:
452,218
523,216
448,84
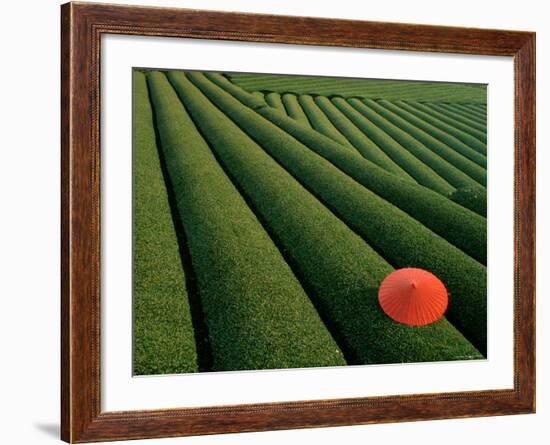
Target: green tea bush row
420,172
467,114
447,153
461,116
472,199
320,122
164,341
481,112
274,100
450,173
294,110
258,94
449,113
466,138
446,138
363,144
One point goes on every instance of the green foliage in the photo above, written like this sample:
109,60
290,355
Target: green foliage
476,110
340,271
320,122
164,341
372,88
294,110
445,125
451,119
365,145
446,153
259,95
397,237
459,226
471,199
422,173
447,138
470,113
257,314
450,173
292,220
462,116
274,100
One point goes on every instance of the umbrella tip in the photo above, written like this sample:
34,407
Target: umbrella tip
413,284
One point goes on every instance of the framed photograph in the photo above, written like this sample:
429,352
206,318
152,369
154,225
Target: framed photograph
274,222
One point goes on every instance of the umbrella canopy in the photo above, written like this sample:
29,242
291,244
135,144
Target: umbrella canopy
413,296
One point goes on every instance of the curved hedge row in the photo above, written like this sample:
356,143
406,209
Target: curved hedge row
420,172
466,138
448,139
320,122
274,100
164,342
456,224
363,144
447,153
259,95
450,113
450,173
294,110
341,271
395,235
257,314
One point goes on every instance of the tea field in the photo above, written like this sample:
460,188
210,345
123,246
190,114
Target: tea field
268,209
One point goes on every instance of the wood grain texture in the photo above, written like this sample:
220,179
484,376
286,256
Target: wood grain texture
82,26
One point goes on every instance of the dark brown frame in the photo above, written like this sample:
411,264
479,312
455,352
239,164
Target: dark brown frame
82,25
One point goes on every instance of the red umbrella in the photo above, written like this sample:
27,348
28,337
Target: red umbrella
413,296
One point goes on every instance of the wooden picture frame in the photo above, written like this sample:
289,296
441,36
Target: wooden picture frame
82,25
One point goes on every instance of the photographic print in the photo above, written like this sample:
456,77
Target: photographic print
277,222
285,221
